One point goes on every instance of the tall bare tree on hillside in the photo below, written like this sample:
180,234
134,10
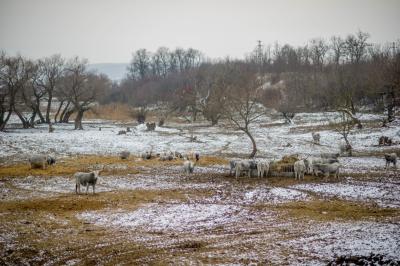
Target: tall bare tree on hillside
241,105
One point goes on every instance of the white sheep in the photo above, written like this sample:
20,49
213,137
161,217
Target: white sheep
188,166
328,168
316,137
299,169
391,158
245,166
38,161
262,168
86,179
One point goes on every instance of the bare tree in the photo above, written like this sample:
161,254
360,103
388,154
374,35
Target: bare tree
50,73
14,76
83,88
344,126
139,67
242,100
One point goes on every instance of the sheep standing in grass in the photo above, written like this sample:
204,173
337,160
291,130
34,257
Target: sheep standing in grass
188,166
86,179
38,161
391,158
124,155
51,160
262,168
327,169
146,155
245,166
232,165
299,169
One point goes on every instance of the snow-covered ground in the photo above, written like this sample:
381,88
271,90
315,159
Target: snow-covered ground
273,141
237,220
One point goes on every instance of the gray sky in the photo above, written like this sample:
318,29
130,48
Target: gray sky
109,31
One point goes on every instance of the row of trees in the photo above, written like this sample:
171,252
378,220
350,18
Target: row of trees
345,73
26,85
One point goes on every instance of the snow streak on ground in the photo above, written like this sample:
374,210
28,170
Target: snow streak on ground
175,217
383,194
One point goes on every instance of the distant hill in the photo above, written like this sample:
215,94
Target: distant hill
115,71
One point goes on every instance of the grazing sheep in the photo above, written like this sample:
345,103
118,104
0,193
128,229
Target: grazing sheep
316,137
167,157
262,168
124,155
177,155
38,161
328,169
391,158
299,169
188,166
245,166
146,155
310,162
232,165
51,160
86,179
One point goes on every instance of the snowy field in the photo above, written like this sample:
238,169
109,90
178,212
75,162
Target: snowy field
274,138
158,214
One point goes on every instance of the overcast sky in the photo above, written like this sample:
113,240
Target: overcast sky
109,31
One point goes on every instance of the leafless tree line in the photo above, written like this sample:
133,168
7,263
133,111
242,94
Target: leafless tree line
336,74
26,85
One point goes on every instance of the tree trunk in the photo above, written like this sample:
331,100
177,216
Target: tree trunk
78,120
32,119
351,115
4,122
63,113
214,121
58,111
65,118
39,113
253,142
25,123
49,107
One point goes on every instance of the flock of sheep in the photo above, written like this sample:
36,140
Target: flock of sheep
326,164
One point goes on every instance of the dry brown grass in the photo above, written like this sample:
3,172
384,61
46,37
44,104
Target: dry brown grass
112,166
119,112
328,210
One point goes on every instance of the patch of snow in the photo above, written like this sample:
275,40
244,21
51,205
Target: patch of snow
174,217
384,194
356,238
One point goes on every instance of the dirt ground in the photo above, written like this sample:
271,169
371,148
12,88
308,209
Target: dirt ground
149,212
